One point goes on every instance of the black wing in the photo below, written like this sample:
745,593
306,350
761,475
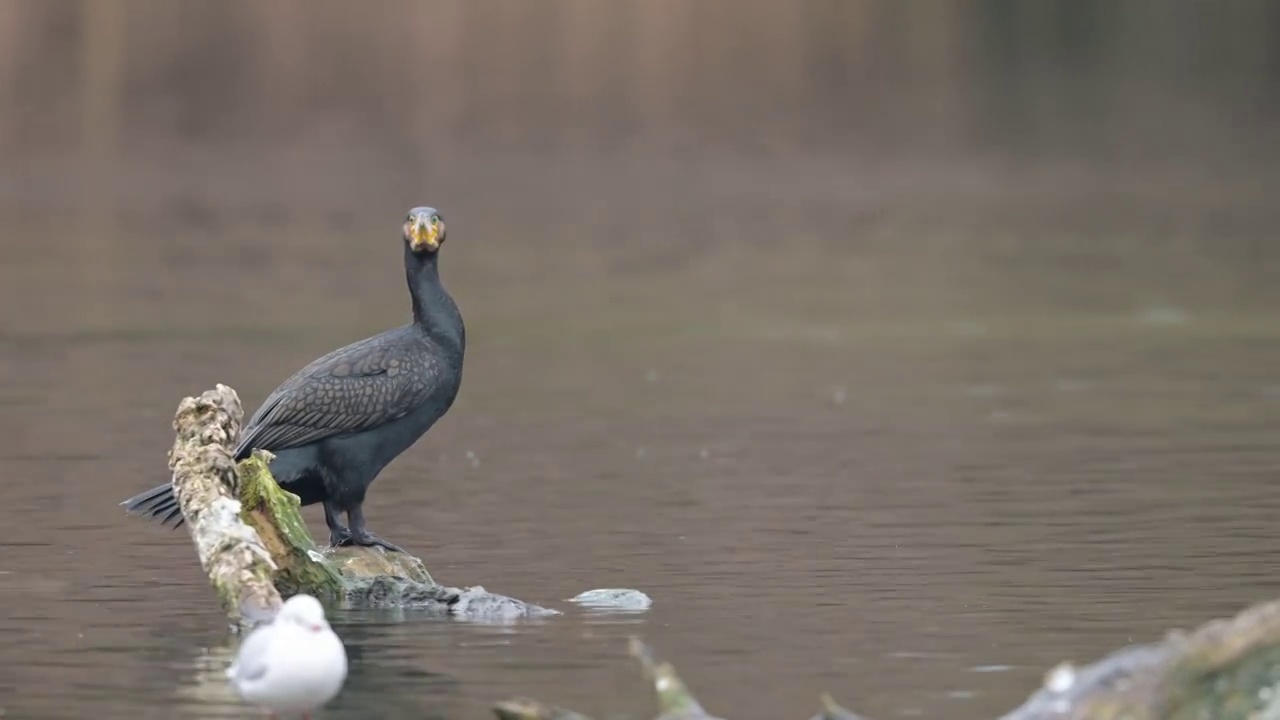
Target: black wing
355,388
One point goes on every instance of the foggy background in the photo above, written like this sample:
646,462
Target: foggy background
1133,141
880,342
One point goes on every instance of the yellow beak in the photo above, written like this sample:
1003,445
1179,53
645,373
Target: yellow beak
424,235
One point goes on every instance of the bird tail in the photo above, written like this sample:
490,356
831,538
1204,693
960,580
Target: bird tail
158,503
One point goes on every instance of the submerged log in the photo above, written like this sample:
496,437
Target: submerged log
255,546
523,708
675,701
1225,670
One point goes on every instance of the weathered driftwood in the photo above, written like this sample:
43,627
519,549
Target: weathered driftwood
1225,670
205,482
675,702
523,708
255,547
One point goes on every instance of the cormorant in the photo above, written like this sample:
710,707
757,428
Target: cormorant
337,422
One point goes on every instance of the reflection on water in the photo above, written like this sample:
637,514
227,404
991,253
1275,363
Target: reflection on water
975,510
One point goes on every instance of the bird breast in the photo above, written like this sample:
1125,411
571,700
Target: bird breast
306,669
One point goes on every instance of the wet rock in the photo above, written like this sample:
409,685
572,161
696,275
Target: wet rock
613,599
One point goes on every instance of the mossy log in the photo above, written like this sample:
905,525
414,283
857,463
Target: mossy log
255,546
204,481
1225,670
675,702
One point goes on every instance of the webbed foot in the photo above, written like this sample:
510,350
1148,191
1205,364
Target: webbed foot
361,536
368,539
339,536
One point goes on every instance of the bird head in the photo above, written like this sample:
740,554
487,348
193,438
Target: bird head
304,611
424,230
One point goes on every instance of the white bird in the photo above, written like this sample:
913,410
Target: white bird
294,664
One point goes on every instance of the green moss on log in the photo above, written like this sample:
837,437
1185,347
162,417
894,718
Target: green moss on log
1226,669
1244,691
276,514
204,481
357,575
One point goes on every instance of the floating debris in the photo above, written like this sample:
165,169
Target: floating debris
675,702
529,709
613,599
832,711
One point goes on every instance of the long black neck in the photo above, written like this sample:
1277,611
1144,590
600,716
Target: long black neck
433,309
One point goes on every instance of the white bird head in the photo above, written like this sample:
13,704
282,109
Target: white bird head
304,611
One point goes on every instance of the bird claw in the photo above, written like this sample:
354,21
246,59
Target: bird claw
364,540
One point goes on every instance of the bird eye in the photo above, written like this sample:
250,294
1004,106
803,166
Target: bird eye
435,219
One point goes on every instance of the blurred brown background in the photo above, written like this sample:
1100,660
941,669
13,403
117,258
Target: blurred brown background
917,136
898,349
1127,81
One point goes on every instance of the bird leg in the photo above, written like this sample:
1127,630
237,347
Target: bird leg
338,533
360,535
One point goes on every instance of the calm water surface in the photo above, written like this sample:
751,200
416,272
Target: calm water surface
895,354
920,512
